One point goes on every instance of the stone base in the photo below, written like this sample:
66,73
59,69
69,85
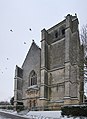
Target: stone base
70,101
55,105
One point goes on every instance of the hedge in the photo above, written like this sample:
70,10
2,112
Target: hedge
75,110
8,107
19,108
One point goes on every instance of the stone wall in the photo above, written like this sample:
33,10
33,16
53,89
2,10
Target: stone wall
32,62
57,54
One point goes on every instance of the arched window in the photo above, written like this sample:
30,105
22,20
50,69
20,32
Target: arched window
34,103
56,34
63,31
30,104
32,78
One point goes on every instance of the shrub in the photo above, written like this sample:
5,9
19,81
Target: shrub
75,110
8,107
19,108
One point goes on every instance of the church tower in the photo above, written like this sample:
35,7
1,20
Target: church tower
61,56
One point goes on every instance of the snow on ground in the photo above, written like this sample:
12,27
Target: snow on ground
44,114
40,114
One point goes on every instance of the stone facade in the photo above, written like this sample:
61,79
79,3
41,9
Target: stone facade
50,76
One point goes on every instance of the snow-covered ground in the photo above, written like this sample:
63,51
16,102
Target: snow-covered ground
41,114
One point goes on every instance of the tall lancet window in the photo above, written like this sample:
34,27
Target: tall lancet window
32,78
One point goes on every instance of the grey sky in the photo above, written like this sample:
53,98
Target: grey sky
20,15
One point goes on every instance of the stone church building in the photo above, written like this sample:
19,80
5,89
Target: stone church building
50,76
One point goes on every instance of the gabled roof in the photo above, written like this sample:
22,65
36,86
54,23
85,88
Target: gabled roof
33,45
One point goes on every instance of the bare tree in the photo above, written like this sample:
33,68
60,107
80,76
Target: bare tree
84,43
84,39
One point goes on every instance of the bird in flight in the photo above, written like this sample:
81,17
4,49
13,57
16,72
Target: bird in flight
30,29
11,30
24,42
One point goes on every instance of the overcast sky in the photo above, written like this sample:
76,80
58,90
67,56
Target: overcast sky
19,16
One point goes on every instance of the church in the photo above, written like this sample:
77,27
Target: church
50,76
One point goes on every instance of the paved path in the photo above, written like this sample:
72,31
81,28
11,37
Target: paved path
11,116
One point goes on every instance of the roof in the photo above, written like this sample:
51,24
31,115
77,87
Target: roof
32,45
